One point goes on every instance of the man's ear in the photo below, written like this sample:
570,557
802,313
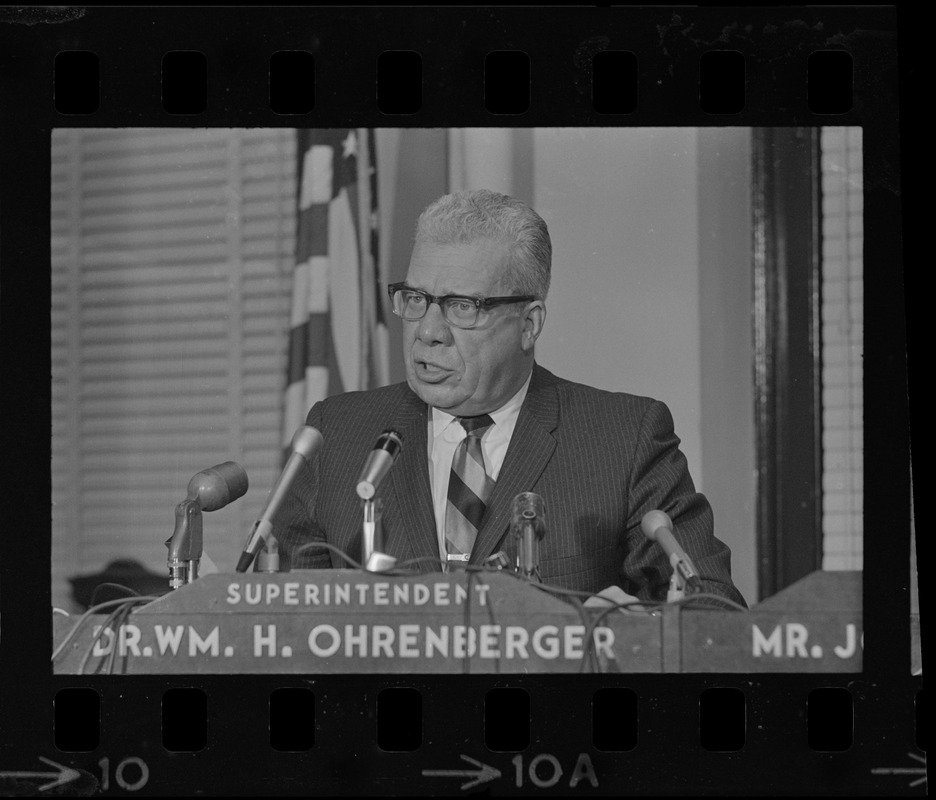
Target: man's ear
534,317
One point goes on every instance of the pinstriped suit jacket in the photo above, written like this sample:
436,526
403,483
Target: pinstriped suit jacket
600,460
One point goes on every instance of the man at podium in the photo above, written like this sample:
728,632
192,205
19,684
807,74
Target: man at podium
481,422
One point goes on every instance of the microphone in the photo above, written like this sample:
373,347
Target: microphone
378,463
217,486
305,443
208,490
529,527
658,527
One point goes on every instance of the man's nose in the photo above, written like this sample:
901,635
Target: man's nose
433,329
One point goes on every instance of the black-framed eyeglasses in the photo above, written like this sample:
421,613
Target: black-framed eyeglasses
462,312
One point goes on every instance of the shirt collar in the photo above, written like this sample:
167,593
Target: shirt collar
442,419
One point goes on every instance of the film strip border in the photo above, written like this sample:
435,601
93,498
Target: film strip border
557,66
440,67
361,737
399,82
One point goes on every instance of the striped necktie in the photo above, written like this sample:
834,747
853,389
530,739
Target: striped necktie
468,492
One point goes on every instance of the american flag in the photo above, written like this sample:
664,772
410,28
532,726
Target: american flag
338,324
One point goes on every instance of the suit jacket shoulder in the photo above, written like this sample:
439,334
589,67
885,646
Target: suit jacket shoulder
617,457
354,410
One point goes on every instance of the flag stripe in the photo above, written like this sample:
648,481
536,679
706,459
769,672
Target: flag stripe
317,171
313,232
310,290
309,345
337,338
344,296
374,226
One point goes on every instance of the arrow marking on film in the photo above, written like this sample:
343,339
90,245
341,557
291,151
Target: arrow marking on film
484,774
64,774
905,770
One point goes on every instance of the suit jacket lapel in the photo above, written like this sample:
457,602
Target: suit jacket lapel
410,518
531,447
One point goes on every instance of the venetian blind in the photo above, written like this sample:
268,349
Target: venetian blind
172,253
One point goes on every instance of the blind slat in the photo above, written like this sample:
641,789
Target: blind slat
171,257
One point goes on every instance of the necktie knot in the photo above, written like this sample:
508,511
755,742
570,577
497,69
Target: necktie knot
476,426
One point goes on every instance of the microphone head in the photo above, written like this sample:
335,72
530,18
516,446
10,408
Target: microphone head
654,520
306,441
391,441
217,486
528,506
378,463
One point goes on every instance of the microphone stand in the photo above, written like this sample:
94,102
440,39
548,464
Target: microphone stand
677,587
268,559
528,536
658,527
373,559
528,526
185,544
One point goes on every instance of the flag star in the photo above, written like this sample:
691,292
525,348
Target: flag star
350,145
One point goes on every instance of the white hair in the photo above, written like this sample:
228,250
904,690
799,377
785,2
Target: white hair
465,217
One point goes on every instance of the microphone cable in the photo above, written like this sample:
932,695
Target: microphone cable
334,549
105,626
138,600
126,589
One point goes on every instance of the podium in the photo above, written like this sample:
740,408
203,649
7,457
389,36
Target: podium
352,622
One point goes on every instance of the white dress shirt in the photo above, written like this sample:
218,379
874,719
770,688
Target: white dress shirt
445,434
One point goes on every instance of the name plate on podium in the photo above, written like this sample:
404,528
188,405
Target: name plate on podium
347,621
813,625
351,622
